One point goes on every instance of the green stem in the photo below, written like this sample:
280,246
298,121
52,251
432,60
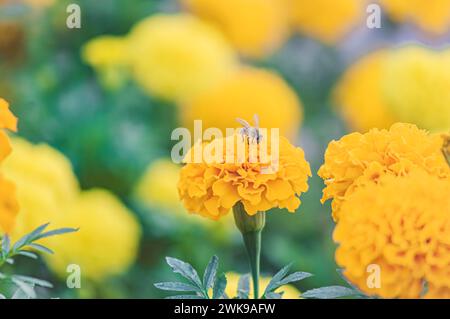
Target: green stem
251,227
252,243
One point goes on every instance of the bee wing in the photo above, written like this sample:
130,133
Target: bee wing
244,123
256,119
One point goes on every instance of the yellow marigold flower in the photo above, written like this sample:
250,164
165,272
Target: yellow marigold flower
158,185
8,204
45,184
432,16
358,159
106,243
401,225
358,94
289,291
326,20
249,91
7,121
212,188
109,56
416,86
255,27
105,51
177,56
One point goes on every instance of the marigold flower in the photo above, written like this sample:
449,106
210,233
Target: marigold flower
359,159
158,185
326,20
109,56
358,94
106,243
178,56
211,189
416,87
255,27
247,92
8,204
43,193
401,225
432,16
289,291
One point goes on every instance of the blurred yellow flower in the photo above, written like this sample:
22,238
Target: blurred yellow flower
247,92
108,55
360,159
8,203
358,94
178,56
289,291
158,185
326,20
45,184
211,189
401,225
432,16
255,27
416,86
106,243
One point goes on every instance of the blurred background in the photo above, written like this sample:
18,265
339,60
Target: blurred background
97,105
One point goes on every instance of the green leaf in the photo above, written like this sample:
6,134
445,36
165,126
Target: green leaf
28,238
27,254
243,289
219,286
296,276
330,292
185,297
33,281
26,288
176,286
5,245
210,273
184,269
273,295
275,281
55,232
41,248
2,296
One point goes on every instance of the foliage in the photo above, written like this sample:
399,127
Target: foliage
26,246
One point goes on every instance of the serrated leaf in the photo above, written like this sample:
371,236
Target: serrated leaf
5,245
210,273
296,276
27,254
219,287
33,281
330,292
275,281
28,238
273,295
41,248
243,289
185,297
55,232
176,286
26,288
184,269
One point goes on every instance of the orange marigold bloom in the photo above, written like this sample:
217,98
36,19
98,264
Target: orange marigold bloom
8,203
212,189
405,236
358,159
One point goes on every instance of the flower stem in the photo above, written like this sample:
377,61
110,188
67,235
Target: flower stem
252,243
251,227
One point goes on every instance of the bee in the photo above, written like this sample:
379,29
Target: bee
249,131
